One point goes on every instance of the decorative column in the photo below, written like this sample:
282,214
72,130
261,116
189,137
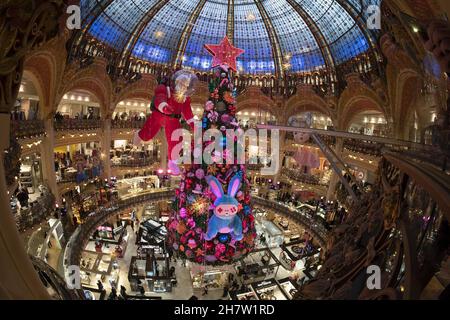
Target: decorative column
24,26
48,158
106,147
282,143
331,193
18,279
164,149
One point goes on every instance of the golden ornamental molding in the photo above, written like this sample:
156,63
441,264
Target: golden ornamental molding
24,25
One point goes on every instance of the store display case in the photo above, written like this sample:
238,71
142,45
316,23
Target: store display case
247,296
160,286
289,288
106,232
97,266
268,290
274,236
215,279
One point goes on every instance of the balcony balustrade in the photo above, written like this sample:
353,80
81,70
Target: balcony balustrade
77,124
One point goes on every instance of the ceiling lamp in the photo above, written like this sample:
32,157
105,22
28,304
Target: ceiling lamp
159,34
286,66
250,17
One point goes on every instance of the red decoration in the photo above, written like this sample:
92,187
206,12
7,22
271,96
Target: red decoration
224,54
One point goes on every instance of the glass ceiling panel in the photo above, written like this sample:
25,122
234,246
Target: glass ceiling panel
335,22
356,4
86,7
90,9
120,19
250,34
210,28
316,8
349,45
161,36
296,40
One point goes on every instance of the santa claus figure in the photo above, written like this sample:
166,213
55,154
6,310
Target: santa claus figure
169,105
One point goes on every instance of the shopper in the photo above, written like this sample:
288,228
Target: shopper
113,294
205,290
123,292
100,286
22,196
172,272
225,292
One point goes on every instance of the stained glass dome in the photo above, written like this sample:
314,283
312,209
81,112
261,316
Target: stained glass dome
277,35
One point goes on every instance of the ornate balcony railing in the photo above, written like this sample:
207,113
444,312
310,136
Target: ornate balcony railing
23,129
300,177
77,124
134,163
359,146
55,284
127,124
312,223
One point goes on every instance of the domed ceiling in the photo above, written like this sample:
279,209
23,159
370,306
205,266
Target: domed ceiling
277,35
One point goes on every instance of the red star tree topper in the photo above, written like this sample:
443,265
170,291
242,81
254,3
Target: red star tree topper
224,53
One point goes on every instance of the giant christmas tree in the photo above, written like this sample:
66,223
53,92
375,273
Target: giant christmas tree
212,220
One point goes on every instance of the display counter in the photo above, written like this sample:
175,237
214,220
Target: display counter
153,270
273,234
108,234
249,295
268,290
289,288
103,268
214,279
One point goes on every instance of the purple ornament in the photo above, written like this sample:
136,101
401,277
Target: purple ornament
200,174
225,118
210,258
209,106
183,213
213,116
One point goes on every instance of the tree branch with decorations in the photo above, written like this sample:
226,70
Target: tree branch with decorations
212,220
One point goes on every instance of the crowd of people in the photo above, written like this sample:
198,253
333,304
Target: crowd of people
90,115
125,116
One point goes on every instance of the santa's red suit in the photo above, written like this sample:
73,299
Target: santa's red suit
167,112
